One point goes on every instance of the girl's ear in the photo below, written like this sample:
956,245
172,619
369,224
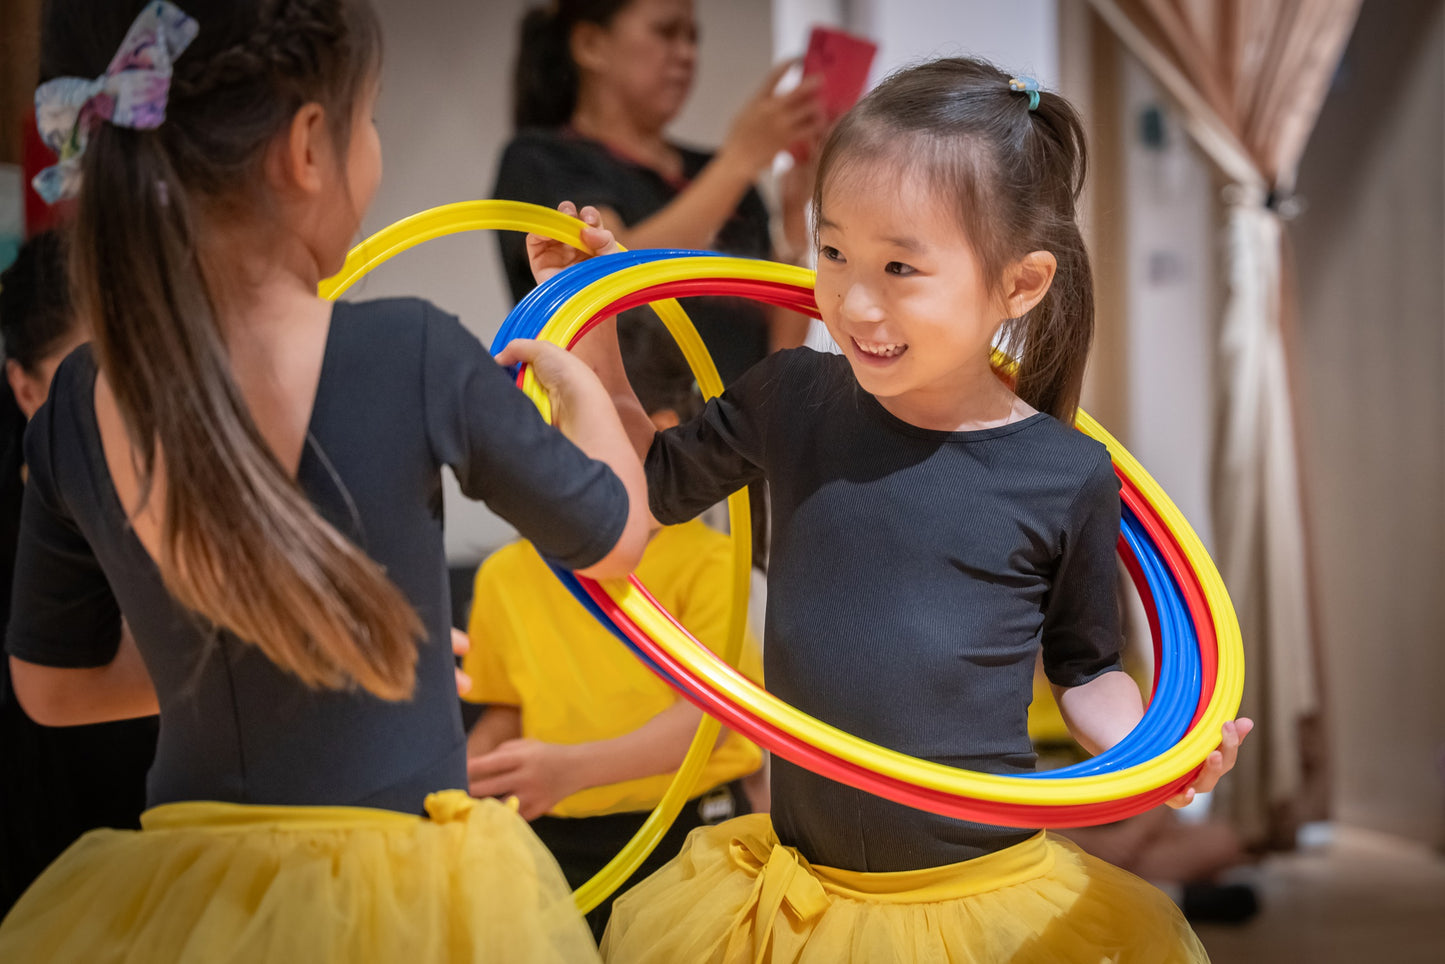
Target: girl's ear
304,157
1027,281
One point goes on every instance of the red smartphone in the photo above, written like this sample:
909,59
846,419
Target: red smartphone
842,60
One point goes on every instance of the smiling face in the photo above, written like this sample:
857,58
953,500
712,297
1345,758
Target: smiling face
904,294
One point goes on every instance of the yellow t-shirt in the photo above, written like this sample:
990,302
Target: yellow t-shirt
534,646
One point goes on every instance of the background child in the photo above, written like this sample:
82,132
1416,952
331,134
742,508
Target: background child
252,475
579,730
55,782
932,530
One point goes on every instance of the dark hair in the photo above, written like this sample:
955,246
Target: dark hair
545,78
240,543
35,312
656,367
1014,176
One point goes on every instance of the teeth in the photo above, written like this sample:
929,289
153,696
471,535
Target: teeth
879,349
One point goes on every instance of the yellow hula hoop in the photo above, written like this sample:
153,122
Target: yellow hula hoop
517,216
1192,749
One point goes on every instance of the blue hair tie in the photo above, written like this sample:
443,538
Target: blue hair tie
1029,86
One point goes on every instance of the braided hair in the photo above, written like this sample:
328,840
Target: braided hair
241,546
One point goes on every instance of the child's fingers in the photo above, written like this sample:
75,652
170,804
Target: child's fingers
461,643
464,683
1181,800
519,351
492,787
600,241
490,765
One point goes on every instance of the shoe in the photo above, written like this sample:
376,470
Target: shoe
1219,903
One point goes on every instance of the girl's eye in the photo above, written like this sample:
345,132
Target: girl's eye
898,268
829,253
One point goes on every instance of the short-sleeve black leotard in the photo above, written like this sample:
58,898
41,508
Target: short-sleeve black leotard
404,390
915,575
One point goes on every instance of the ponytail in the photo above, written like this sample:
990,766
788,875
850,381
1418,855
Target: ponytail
241,546
545,80
1054,337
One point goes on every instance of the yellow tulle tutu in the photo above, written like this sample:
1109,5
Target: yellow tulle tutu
228,883
736,896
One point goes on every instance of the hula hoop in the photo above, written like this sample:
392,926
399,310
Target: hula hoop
1168,716
1144,780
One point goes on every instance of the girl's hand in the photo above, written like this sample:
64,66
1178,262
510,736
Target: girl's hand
538,774
566,378
461,645
770,122
554,367
1220,762
547,257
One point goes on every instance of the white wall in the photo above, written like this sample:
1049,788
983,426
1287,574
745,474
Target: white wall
444,116
1169,227
1019,36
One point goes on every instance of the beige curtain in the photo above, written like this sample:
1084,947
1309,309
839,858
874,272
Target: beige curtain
1249,77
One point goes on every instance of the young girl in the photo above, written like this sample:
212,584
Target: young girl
252,476
933,528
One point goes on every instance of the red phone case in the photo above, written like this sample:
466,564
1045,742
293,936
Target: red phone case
842,60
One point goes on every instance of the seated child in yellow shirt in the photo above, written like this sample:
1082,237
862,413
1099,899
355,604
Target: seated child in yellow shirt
576,727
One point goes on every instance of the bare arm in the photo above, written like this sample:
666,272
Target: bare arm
598,349
1101,712
583,411
540,774
120,690
497,725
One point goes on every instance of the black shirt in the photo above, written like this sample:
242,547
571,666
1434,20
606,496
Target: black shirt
914,576
550,166
56,782
404,390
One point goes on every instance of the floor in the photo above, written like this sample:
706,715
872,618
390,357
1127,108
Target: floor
1355,896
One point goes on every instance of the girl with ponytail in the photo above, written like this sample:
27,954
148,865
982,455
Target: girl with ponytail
253,477
936,526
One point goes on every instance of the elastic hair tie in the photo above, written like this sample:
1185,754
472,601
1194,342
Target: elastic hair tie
1029,86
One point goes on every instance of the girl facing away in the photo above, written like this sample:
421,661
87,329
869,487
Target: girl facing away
252,476
934,528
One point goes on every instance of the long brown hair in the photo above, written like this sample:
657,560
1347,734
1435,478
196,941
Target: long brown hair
1014,176
241,545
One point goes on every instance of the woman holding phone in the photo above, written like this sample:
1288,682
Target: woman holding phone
597,83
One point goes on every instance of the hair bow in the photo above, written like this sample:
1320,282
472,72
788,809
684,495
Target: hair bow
131,93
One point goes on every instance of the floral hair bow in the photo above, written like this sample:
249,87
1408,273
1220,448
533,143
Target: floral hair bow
131,93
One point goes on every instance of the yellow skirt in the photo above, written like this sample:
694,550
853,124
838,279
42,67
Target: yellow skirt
736,896
219,882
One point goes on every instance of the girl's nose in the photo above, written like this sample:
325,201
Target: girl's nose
859,305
